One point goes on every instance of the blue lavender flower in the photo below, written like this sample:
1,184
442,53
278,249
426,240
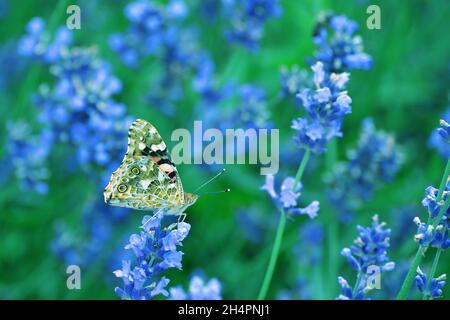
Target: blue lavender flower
338,47
248,19
435,286
155,250
369,249
337,54
287,198
325,108
444,130
439,138
426,234
374,162
347,292
198,290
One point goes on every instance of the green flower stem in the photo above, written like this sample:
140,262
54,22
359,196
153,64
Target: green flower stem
410,276
332,229
279,235
358,281
403,293
426,293
444,208
301,168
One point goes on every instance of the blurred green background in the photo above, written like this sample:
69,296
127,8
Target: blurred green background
405,92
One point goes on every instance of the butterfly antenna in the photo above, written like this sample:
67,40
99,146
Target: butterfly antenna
205,183
215,192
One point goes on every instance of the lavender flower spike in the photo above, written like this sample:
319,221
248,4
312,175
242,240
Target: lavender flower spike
155,250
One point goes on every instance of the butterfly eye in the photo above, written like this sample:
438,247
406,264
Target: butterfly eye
122,188
135,171
124,180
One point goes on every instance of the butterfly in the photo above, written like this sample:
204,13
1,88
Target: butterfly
147,179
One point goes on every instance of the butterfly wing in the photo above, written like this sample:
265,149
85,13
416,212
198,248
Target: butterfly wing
147,179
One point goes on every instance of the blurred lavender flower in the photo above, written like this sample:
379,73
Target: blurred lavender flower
248,19
293,80
252,111
152,31
287,198
325,108
158,31
309,248
308,252
38,43
12,67
84,249
28,155
77,110
80,110
300,291
434,288
375,161
342,50
392,282
198,290
212,96
248,104
369,249
254,223
439,138
401,226
4,8
155,250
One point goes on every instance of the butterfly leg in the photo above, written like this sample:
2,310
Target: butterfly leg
181,217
